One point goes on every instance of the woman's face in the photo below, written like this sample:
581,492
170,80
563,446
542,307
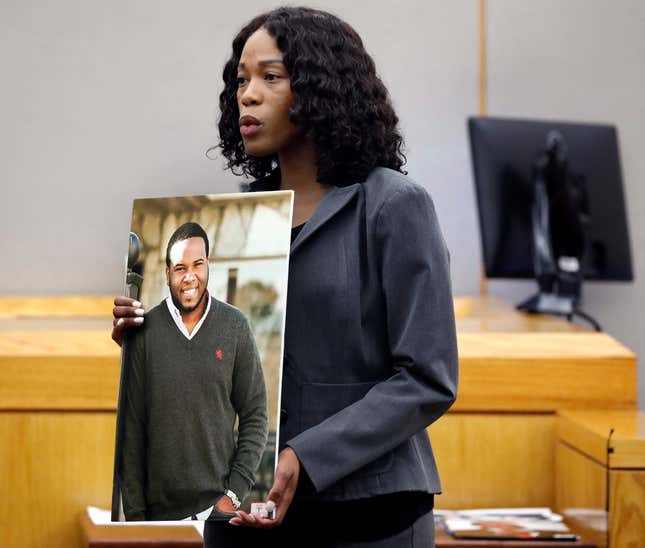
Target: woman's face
264,97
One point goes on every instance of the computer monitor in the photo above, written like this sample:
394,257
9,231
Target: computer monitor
504,153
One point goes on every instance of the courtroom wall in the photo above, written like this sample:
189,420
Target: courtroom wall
103,102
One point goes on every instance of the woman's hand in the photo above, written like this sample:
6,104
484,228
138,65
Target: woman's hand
284,487
127,313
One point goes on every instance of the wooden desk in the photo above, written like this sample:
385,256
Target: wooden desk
58,391
443,539
595,468
496,446
138,536
64,306
132,536
492,315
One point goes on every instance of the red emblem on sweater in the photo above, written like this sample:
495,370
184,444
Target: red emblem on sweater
218,354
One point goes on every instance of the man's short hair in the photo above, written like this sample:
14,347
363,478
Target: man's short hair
185,231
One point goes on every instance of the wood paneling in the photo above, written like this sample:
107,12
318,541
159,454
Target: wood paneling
494,459
56,307
498,371
589,432
489,314
595,348
443,539
55,463
131,535
59,342
627,454
582,472
593,444
627,508
472,313
52,465
544,372
580,481
581,492
58,371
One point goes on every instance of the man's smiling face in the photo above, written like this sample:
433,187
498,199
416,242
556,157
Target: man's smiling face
187,275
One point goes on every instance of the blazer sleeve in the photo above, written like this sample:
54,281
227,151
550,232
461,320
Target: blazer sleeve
415,278
134,430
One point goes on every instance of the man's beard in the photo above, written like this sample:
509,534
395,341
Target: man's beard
181,307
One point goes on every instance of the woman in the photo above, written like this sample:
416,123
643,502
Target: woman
370,346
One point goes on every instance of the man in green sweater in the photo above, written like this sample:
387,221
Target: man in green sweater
192,368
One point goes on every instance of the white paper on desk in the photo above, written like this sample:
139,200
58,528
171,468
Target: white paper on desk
542,525
545,513
98,516
461,525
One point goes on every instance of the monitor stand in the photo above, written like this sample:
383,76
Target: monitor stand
557,305
559,276
549,303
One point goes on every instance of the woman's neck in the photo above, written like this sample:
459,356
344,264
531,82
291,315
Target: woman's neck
298,173
298,166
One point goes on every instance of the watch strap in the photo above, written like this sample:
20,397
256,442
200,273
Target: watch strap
236,502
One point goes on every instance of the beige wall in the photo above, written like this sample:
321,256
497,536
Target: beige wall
105,102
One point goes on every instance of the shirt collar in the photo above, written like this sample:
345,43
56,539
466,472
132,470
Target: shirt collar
179,322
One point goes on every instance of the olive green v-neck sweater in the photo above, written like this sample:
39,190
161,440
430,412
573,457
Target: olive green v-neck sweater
181,400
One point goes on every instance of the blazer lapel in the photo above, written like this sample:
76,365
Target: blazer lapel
332,202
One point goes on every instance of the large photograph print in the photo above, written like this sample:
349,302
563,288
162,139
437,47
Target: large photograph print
198,406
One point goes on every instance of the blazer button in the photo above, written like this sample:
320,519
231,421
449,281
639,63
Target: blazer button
284,415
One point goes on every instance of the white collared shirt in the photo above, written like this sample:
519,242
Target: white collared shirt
176,315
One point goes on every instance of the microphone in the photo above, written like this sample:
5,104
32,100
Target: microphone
134,250
133,280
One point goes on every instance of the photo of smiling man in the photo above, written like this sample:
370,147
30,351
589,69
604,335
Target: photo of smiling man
193,374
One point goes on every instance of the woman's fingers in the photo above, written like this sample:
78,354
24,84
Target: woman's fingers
126,301
122,323
281,494
127,312
250,520
286,481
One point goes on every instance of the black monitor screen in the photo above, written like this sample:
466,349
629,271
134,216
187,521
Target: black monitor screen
504,152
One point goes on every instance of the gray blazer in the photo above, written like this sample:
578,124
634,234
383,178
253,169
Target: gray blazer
370,345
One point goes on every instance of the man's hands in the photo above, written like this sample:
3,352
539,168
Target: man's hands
127,313
284,487
225,504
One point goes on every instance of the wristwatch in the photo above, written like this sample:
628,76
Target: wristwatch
236,502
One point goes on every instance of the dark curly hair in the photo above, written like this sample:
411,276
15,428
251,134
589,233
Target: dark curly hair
338,98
